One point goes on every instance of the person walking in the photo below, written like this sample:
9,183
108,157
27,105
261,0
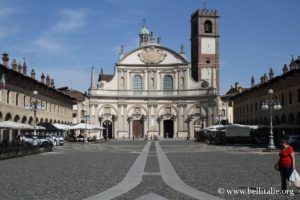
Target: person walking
286,163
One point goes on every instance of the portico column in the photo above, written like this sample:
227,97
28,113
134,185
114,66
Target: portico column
130,128
145,126
210,116
161,134
175,127
190,128
1,136
113,127
10,132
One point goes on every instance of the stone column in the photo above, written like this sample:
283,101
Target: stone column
145,126
175,128
130,128
190,128
1,136
161,130
10,136
209,116
113,127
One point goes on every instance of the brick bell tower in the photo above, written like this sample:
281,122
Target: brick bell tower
205,46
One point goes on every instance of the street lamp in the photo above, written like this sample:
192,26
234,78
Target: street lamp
85,118
271,104
35,105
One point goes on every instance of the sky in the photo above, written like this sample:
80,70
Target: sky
65,38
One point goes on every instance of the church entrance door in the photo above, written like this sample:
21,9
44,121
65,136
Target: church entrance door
137,128
168,128
107,132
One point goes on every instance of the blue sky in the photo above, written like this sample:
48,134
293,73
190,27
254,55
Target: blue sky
65,38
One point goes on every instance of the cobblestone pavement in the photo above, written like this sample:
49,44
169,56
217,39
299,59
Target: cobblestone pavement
77,171
73,171
208,168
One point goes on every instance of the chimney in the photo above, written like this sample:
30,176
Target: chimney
48,81
32,74
5,59
19,68
265,77
271,73
52,83
14,65
24,69
236,85
252,81
285,69
158,40
292,62
43,78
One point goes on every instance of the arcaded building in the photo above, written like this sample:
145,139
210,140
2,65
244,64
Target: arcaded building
286,87
16,94
156,91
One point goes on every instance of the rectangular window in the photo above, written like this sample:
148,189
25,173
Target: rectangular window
7,97
290,98
17,99
298,95
282,99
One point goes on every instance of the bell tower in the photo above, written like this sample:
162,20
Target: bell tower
205,46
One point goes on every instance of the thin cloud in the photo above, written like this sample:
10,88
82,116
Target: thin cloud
71,20
7,12
55,38
7,27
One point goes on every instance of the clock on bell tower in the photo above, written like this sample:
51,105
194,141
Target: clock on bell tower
205,46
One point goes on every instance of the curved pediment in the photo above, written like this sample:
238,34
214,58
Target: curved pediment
152,55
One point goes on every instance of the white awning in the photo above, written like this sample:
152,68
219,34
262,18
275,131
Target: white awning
62,126
84,126
15,125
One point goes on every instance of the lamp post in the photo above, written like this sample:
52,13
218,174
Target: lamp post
271,104
85,118
35,105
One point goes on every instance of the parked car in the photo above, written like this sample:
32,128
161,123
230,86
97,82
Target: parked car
294,141
56,140
40,140
80,138
59,140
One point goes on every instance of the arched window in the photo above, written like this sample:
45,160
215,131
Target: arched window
168,84
207,26
137,84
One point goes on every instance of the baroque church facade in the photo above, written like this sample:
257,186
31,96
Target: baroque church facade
155,91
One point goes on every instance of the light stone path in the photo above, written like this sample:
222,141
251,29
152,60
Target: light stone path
132,178
170,177
135,176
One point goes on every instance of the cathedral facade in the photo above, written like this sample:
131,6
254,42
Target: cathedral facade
155,91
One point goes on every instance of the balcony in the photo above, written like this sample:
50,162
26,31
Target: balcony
154,93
